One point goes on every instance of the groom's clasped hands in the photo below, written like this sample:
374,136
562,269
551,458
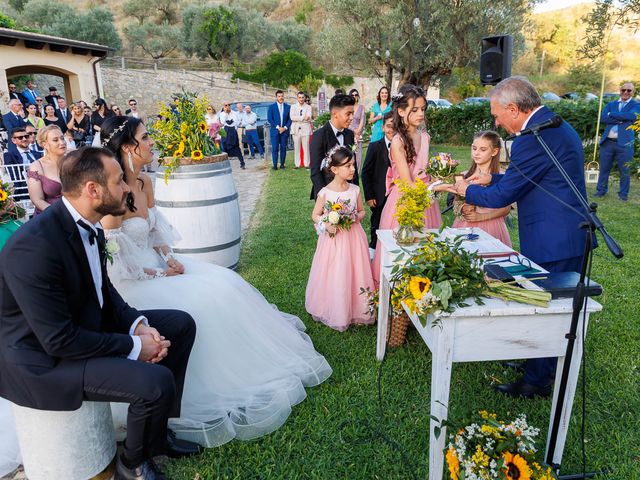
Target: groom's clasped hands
154,346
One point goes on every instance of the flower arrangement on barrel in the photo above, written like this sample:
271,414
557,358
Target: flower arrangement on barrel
181,134
491,449
440,276
9,209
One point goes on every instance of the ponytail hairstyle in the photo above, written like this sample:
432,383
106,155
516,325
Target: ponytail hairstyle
336,157
116,132
496,142
406,99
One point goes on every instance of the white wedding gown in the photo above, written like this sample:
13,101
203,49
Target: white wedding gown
250,362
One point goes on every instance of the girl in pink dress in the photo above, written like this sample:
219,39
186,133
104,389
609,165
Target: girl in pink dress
341,265
409,157
485,152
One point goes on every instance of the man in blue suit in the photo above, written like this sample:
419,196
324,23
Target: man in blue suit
13,118
549,231
278,118
616,144
30,93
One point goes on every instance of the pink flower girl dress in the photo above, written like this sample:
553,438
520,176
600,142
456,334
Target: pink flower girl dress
340,268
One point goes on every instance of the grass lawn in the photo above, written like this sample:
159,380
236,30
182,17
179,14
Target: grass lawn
327,436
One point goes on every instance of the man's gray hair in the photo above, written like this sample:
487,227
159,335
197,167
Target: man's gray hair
14,101
519,91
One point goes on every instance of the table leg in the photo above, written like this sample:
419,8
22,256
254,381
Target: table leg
572,382
441,363
383,317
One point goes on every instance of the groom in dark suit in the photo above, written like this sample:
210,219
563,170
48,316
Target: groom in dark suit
334,132
374,175
66,335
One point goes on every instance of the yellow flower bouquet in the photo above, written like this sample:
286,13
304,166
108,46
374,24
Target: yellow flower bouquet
181,134
410,206
491,449
9,210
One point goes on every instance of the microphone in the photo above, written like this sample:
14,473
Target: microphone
553,122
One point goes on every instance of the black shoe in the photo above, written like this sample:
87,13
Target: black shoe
274,168
243,167
147,470
624,199
523,389
281,167
178,448
599,195
518,366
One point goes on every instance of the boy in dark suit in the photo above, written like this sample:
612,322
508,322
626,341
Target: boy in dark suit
374,175
334,132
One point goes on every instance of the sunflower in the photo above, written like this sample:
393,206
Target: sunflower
516,467
418,286
3,195
181,148
197,155
203,127
453,463
183,127
336,207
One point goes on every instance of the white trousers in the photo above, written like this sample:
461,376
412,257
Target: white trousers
297,140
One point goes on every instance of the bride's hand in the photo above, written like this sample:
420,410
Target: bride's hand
175,265
170,272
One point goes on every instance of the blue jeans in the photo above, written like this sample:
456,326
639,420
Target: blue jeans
279,145
611,152
540,371
251,137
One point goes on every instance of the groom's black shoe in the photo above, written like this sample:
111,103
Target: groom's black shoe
147,470
523,389
178,448
517,366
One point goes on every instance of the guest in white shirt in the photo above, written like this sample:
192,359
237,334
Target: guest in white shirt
250,120
230,142
301,128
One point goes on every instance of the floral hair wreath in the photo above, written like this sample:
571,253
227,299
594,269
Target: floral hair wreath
326,160
396,96
105,141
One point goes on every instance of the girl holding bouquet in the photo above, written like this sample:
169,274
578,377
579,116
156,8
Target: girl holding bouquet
409,155
485,152
341,266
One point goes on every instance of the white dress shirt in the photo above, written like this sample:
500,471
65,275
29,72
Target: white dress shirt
93,256
340,138
249,120
224,116
613,133
27,156
526,122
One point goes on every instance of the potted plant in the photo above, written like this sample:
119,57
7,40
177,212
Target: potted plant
182,136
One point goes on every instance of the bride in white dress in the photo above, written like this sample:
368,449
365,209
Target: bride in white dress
250,362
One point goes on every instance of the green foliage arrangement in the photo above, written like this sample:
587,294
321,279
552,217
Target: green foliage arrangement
282,69
338,81
6,21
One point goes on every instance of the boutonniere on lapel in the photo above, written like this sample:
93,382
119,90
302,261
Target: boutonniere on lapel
111,247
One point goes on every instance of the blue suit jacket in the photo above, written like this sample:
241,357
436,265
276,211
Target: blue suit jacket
273,117
10,122
31,97
611,115
548,230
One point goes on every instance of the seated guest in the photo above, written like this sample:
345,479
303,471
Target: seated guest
40,107
51,118
43,179
71,143
485,153
33,118
374,175
18,156
34,148
14,117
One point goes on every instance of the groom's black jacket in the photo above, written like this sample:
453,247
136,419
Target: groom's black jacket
50,318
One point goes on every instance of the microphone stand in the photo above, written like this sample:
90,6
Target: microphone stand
592,224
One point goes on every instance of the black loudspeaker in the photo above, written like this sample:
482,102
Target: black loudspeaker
495,59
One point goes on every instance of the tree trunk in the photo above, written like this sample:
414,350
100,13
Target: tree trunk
388,78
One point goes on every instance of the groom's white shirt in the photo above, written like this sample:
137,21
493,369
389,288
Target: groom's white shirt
93,256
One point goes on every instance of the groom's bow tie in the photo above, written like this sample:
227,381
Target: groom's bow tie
93,236
339,132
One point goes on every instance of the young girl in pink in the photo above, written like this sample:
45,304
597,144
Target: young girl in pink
341,265
409,157
485,152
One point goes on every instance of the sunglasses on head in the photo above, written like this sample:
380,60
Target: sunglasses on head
626,90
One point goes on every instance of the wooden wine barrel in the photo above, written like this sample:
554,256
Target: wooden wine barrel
201,202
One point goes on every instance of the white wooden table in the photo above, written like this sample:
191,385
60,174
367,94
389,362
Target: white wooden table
497,330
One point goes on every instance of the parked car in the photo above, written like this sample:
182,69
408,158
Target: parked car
439,103
550,97
476,100
610,97
576,96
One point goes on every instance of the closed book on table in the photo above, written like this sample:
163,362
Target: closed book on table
563,284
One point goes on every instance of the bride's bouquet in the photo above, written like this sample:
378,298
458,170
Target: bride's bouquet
442,168
341,214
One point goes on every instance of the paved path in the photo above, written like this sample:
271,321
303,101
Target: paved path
249,184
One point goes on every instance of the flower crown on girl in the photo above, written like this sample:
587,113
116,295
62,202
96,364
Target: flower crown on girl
326,160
